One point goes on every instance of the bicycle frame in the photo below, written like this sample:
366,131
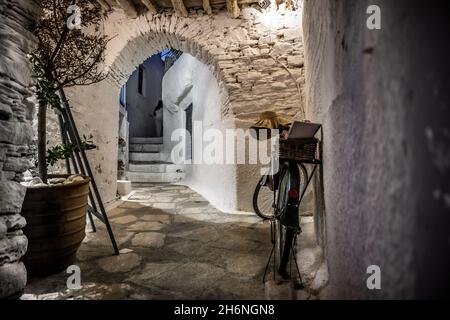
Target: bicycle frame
277,211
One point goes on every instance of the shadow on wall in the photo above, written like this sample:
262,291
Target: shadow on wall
190,82
382,96
144,90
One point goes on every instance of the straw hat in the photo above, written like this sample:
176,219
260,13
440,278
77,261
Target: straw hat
270,120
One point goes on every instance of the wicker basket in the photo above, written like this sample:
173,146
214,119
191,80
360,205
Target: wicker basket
303,150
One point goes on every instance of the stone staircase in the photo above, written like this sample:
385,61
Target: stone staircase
149,164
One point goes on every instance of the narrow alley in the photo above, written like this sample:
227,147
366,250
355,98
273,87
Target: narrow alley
262,150
175,245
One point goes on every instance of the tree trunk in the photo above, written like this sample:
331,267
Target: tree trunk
42,141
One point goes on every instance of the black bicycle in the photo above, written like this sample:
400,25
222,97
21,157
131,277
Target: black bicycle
278,196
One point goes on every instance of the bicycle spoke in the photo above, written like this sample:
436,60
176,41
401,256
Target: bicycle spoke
263,200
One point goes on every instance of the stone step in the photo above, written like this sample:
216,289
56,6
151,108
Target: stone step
155,167
147,156
145,147
166,177
158,140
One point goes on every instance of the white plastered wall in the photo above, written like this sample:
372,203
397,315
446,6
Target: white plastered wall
190,81
95,109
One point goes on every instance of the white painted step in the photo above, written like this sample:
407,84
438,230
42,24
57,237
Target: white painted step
147,156
145,147
155,177
146,140
156,168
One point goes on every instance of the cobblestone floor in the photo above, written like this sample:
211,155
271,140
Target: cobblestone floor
175,245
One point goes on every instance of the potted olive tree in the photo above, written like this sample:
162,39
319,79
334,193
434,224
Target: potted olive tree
69,53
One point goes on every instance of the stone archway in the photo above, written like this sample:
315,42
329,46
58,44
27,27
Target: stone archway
257,56
256,59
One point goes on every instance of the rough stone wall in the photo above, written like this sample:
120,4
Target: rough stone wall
16,113
256,58
382,97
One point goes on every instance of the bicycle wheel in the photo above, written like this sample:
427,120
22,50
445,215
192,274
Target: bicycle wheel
263,200
288,221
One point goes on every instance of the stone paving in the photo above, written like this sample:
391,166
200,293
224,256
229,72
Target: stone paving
175,245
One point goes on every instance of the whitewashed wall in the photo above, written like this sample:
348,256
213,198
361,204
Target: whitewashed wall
190,81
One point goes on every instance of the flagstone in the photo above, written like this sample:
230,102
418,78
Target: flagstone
149,240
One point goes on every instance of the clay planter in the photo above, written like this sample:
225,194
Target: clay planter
56,221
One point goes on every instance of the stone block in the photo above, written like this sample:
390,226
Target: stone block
281,48
3,229
238,35
292,34
249,43
251,52
217,51
120,263
15,132
149,240
12,222
265,63
12,247
225,57
233,86
226,64
124,187
17,164
295,61
13,194
5,112
260,89
267,40
7,175
13,278
252,75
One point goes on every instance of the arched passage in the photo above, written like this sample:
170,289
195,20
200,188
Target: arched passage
257,56
256,59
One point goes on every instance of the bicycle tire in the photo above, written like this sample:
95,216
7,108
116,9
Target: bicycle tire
290,176
268,211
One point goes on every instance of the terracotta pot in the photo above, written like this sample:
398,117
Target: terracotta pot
56,221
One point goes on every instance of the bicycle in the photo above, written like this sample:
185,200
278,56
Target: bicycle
287,188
